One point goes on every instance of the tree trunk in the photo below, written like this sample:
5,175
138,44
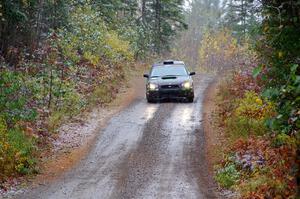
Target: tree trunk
50,88
158,24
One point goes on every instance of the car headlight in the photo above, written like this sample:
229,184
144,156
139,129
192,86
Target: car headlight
152,86
187,85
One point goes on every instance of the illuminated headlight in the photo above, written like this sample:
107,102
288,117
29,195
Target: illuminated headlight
152,87
187,85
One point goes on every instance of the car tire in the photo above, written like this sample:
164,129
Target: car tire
149,100
190,99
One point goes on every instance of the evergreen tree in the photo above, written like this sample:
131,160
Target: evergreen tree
24,24
202,15
167,19
240,16
149,25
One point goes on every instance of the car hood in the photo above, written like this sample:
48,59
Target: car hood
169,80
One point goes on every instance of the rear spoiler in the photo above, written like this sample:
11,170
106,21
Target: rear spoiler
168,62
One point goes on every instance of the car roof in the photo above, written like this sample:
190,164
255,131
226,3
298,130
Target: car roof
169,62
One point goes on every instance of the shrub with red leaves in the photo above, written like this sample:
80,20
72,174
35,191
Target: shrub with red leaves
256,166
243,81
268,171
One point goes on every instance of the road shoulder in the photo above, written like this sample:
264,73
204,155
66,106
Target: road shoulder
76,138
86,131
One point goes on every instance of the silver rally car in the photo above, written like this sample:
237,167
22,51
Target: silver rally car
169,80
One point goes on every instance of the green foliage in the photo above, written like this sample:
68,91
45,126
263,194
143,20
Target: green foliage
165,19
288,104
104,93
14,98
69,105
283,139
108,11
227,176
220,50
244,127
255,183
101,94
249,116
90,38
265,160
280,47
268,163
16,149
23,148
257,71
60,57
16,152
24,23
56,119
117,49
153,25
252,106
241,17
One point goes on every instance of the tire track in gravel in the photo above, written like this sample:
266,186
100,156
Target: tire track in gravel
169,161
137,168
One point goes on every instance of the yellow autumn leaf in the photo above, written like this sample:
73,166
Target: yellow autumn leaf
266,28
259,101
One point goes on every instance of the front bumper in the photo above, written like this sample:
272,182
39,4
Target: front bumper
170,94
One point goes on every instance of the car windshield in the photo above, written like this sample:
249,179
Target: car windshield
174,70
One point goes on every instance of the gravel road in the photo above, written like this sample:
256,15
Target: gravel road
145,151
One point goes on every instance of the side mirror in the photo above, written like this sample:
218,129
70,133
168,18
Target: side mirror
146,75
192,73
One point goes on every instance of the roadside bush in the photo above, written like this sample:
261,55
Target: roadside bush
105,92
253,106
279,48
14,98
244,127
90,58
76,67
287,102
67,103
5,160
16,152
220,50
266,160
89,40
243,81
268,171
257,169
227,176
270,163
249,116
23,148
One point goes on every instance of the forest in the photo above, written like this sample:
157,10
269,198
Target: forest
61,57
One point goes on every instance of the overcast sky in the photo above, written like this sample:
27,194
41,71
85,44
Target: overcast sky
187,3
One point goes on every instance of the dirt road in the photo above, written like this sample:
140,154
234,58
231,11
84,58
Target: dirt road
146,151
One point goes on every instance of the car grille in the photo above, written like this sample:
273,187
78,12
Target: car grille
169,86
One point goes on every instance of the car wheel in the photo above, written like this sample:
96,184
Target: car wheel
190,99
149,100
